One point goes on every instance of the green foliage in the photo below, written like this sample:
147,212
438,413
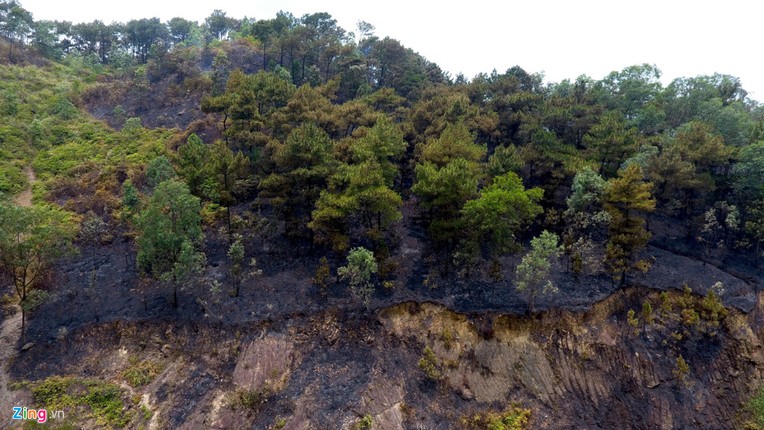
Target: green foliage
647,312
682,369
684,172
227,174
532,274
192,161
303,165
141,373
384,144
514,418
170,228
633,320
502,210
100,401
455,142
625,197
755,407
237,269
748,172
31,238
357,193
504,159
360,267
130,200
610,142
428,363
250,399
323,275
442,192
365,423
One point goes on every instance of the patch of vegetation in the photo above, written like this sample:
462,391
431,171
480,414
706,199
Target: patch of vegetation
755,409
682,369
100,401
429,364
681,316
514,418
141,373
365,423
250,399
279,424
447,336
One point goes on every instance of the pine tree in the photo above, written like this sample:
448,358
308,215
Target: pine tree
627,197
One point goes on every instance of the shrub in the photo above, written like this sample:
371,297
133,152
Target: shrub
429,364
141,373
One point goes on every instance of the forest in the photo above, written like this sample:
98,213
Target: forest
201,183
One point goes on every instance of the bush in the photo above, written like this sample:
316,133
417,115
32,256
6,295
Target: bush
429,364
141,373
755,408
365,423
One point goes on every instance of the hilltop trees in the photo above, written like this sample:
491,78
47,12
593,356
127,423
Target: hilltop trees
15,23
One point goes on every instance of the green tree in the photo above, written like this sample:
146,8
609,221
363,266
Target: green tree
218,24
357,192
684,172
504,159
303,165
455,142
610,142
15,23
130,200
441,194
227,177
532,276
159,170
237,269
192,160
502,210
384,144
749,171
180,29
626,198
754,226
585,222
169,231
358,271
31,238
141,35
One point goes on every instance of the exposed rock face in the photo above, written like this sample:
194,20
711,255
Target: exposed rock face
328,371
383,400
590,371
265,364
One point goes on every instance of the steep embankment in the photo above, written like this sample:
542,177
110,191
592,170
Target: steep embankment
328,370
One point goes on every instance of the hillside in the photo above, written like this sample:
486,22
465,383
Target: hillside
275,224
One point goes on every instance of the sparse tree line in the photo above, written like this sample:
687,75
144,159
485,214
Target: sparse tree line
309,49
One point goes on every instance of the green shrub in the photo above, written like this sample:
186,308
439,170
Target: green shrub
93,399
365,423
429,364
142,373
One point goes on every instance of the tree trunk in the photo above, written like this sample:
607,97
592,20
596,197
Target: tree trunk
23,324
